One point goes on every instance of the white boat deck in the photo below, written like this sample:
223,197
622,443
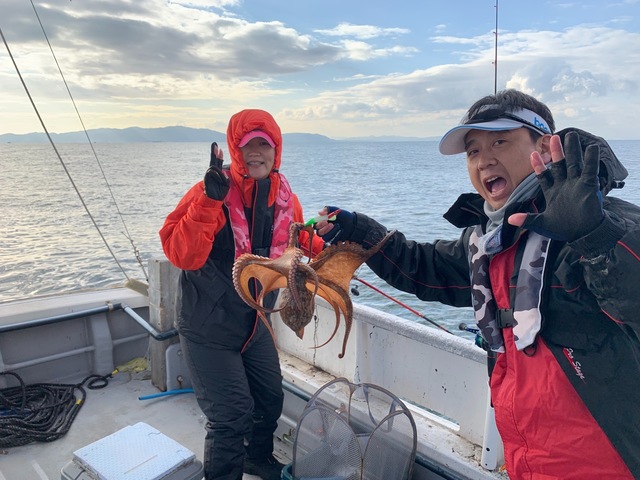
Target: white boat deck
106,411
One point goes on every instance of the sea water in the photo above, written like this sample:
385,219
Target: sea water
63,222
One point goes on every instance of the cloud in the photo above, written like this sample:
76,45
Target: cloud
363,32
194,62
556,67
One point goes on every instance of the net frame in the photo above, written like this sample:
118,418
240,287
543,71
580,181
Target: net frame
353,431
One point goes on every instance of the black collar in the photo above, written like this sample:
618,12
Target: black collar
468,211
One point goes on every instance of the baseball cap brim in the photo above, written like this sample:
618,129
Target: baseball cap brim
254,134
453,141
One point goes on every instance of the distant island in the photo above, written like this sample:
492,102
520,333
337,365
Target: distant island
179,134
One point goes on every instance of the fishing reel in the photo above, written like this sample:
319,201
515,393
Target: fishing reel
479,341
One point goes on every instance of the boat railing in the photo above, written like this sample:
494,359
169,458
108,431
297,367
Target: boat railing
442,377
64,338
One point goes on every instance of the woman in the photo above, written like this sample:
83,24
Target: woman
246,207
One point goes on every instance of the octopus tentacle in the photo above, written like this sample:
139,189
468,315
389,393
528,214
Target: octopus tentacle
294,273
314,276
327,275
339,299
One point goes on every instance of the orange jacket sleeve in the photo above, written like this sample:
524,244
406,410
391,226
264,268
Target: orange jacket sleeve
188,232
303,237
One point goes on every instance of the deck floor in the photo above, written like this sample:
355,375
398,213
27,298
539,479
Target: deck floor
106,411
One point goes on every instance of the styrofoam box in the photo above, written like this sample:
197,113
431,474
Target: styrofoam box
136,452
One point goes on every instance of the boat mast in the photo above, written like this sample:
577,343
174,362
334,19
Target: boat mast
495,55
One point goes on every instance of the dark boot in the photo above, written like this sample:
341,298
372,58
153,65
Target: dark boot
266,468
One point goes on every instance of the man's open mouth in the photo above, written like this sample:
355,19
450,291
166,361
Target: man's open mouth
495,184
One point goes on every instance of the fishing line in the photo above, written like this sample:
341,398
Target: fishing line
126,233
401,304
86,208
136,252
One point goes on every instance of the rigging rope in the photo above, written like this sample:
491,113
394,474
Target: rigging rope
126,233
42,412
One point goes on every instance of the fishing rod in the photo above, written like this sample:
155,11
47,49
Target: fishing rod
495,55
398,302
62,163
126,232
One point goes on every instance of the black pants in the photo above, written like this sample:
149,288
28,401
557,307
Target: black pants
241,396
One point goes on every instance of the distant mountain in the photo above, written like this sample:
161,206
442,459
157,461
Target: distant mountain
305,138
137,134
177,134
390,138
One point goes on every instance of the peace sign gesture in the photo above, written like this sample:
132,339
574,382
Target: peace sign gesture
571,189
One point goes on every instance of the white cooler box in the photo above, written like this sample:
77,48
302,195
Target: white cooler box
136,452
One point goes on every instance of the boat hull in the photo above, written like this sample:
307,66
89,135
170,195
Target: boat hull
441,377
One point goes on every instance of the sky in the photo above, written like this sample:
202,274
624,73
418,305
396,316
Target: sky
340,68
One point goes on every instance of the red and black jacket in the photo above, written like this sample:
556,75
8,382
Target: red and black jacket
568,408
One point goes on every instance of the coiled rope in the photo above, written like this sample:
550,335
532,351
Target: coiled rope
42,412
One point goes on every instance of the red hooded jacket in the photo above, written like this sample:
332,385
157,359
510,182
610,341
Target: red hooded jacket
189,231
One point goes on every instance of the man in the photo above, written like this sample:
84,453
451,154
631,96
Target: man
550,265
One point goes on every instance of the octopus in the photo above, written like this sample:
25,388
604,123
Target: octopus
327,275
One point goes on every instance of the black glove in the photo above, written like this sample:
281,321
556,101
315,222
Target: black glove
216,183
572,194
343,226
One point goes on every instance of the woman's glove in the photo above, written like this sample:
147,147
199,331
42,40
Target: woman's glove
216,183
343,226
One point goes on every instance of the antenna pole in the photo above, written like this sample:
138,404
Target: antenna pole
495,55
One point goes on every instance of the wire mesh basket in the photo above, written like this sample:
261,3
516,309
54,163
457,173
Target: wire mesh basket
353,431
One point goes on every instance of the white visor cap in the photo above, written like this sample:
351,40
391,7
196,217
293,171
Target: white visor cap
453,141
